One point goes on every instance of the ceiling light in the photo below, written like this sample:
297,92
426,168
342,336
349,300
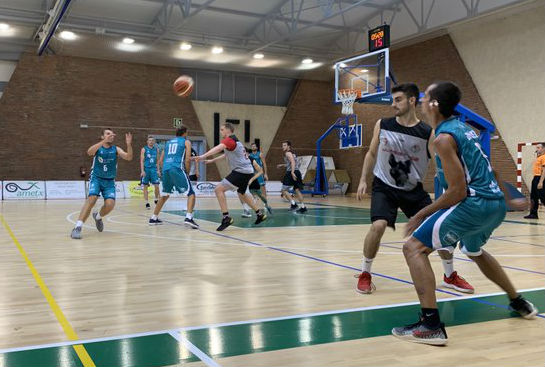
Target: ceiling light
185,46
217,50
307,61
364,71
258,56
4,26
128,41
67,35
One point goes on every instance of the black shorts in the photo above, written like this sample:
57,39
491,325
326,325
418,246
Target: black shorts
238,181
288,180
385,200
255,185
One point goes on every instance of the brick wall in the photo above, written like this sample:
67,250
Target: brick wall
48,97
310,111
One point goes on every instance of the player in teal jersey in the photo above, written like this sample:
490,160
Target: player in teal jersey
150,169
256,155
102,178
176,159
470,208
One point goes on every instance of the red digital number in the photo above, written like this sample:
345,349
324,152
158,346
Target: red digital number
378,42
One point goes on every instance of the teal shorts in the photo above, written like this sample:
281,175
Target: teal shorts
261,180
470,222
150,177
102,186
175,179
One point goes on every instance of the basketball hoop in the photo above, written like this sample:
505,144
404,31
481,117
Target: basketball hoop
347,98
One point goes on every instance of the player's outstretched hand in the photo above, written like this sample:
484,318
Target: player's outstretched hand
362,187
143,174
128,138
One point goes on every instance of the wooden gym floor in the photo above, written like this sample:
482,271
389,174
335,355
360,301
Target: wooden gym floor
280,294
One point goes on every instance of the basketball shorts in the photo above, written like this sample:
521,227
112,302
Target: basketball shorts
102,186
237,181
150,177
471,222
288,181
255,186
176,180
386,200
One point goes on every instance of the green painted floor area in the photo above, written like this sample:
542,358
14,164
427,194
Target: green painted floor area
282,217
233,340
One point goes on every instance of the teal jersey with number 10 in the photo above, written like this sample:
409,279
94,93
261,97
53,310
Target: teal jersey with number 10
174,154
105,163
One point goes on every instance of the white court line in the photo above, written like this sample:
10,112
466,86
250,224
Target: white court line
236,243
193,349
280,318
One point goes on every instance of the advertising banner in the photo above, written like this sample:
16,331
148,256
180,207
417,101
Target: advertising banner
23,190
65,190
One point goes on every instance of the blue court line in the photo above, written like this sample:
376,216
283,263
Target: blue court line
517,242
325,261
521,222
469,260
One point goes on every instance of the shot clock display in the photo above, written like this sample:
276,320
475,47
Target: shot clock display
379,38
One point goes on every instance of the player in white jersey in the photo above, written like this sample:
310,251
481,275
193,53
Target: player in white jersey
242,172
399,157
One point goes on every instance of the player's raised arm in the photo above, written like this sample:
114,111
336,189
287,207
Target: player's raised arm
128,154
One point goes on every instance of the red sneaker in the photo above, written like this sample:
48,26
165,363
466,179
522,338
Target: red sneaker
457,282
365,285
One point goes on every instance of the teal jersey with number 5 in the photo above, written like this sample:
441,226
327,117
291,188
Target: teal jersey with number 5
480,179
105,163
174,154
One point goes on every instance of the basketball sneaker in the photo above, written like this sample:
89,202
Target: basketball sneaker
260,217
246,214
531,216
365,285
225,222
293,207
155,222
155,201
148,206
302,210
458,283
98,222
76,233
420,333
191,223
524,307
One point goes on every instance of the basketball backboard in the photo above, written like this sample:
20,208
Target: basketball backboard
368,74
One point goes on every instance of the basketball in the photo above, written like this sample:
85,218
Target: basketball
183,86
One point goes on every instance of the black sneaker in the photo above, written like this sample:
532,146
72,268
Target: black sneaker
524,307
191,223
98,222
155,201
293,207
261,217
225,222
420,333
148,206
155,222
531,216
301,210
76,233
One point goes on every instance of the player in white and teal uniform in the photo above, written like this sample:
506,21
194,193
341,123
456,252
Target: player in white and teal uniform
176,161
470,208
102,178
149,168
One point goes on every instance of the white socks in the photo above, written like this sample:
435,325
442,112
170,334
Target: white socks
79,224
448,265
292,202
98,216
302,205
189,215
154,217
366,265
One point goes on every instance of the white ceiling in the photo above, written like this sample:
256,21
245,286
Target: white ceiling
286,31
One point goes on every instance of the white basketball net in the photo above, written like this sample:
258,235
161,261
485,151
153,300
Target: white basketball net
347,98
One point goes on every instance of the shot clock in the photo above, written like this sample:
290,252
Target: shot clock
379,38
